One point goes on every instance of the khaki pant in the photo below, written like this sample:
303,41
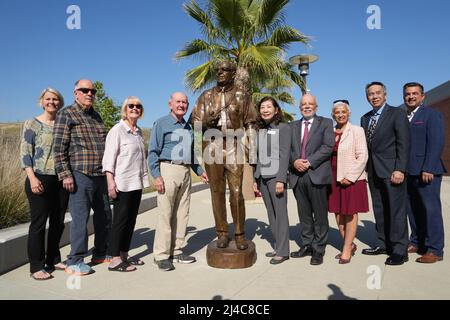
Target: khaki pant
173,211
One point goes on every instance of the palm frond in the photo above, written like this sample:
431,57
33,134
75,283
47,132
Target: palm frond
203,49
283,36
200,76
207,25
230,18
264,58
270,15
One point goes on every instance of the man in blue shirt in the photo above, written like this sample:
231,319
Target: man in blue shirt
170,159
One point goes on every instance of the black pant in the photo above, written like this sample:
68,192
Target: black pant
389,208
52,204
126,207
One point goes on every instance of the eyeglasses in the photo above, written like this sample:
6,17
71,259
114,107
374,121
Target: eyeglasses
132,106
86,91
341,100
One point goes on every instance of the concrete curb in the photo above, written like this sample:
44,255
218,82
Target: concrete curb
13,241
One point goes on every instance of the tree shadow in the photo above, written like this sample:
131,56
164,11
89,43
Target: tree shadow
143,237
338,294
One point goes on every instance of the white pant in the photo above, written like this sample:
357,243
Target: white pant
173,211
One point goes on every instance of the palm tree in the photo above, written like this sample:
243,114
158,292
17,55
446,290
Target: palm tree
253,34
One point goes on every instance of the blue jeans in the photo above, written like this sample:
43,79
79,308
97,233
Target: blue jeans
90,192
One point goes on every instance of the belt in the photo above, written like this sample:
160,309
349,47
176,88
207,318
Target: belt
174,162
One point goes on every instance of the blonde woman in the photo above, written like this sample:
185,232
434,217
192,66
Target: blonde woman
349,187
127,174
46,195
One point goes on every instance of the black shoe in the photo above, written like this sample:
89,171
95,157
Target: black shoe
316,259
303,252
278,261
396,260
183,258
271,254
164,265
374,251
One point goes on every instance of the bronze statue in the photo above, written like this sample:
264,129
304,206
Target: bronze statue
226,108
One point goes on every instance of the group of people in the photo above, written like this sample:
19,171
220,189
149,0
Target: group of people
398,152
72,161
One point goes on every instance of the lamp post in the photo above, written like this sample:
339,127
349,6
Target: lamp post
303,61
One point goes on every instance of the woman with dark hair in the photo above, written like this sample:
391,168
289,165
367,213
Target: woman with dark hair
274,145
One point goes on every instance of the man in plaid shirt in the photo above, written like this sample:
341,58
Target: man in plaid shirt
79,144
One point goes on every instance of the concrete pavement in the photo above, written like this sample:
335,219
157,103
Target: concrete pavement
366,277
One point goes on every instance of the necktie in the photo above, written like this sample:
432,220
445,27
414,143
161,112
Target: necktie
373,124
305,139
223,114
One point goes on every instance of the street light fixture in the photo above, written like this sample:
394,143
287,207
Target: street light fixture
303,61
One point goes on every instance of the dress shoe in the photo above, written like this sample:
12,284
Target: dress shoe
274,260
222,241
271,254
396,260
316,259
354,248
303,252
429,257
241,243
374,251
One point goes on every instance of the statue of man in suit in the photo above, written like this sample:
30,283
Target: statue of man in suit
228,109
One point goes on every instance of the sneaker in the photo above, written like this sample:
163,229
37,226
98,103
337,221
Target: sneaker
98,260
183,258
80,269
164,265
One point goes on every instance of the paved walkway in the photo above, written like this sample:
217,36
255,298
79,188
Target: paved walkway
365,277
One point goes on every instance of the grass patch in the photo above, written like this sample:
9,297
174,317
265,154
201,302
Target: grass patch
13,201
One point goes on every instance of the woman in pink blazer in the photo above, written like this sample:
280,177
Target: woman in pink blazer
348,194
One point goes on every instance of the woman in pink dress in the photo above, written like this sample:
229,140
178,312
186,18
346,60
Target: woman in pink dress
348,194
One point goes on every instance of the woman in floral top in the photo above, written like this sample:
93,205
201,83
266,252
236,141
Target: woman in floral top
46,196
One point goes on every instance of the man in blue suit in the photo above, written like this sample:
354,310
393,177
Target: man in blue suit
425,169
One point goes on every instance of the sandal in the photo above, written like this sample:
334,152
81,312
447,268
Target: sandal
32,275
122,267
135,262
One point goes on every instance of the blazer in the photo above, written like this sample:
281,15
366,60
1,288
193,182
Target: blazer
318,150
389,149
274,145
427,142
352,154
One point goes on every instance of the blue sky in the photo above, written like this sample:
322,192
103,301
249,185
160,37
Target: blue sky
130,47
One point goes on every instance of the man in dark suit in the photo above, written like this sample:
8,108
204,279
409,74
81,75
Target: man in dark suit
311,148
425,169
388,138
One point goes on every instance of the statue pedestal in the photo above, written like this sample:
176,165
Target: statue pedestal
230,257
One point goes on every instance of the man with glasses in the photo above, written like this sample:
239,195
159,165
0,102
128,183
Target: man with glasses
80,135
388,138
